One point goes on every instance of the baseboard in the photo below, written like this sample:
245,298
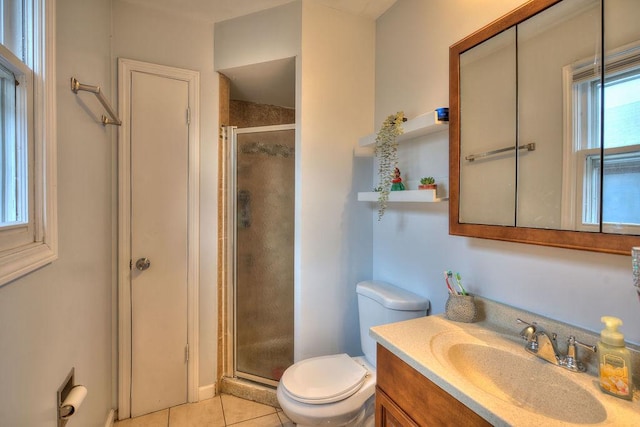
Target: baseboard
111,418
206,391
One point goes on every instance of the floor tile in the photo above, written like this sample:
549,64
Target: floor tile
206,413
155,419
271,420
286,422
237,410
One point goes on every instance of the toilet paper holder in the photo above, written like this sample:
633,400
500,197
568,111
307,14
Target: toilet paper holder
69,398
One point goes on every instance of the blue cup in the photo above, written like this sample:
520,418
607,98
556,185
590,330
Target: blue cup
442,114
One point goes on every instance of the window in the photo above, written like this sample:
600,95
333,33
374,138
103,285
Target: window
16,179
28,232
13,207
618,201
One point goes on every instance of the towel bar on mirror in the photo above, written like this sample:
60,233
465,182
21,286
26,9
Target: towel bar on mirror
529,147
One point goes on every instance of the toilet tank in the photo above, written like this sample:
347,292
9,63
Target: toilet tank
380,303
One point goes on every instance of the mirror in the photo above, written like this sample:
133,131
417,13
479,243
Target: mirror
535,127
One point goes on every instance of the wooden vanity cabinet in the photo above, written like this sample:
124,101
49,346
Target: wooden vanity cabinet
406,398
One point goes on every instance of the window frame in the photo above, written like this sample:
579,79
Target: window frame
578,133
615,156
41,248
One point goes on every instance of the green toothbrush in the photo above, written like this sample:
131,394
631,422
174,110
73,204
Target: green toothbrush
459,282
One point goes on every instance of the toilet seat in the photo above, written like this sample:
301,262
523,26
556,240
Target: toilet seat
324,379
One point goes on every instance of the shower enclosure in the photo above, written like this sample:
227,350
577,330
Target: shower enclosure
262,180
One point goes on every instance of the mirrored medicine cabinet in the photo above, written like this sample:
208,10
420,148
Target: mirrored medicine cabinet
544,139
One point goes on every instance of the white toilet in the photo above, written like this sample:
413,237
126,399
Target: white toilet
339,390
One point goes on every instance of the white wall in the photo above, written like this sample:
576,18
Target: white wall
259,37
411,244
59,317
335,230
151,35
334,105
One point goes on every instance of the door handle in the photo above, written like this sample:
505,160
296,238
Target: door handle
143,263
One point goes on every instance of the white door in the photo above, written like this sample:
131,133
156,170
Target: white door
158,160
159,190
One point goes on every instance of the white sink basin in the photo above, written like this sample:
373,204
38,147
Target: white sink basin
484,365
503,369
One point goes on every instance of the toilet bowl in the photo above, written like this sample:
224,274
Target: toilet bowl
339,390
344,397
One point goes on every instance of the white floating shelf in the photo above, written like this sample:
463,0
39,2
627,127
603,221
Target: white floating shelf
424,124
421,196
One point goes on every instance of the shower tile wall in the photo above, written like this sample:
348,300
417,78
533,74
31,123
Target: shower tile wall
245,114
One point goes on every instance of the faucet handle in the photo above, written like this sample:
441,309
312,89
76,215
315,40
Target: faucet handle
519,320
572,341
570,360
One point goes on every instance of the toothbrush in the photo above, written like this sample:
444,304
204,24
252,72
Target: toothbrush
459,282
450,277
446,279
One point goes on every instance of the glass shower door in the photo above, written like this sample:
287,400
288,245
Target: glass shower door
264,242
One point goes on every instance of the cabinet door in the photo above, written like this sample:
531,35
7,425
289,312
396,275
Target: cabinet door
413,394
388,414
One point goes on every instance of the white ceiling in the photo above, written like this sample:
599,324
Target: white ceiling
221,10
271,82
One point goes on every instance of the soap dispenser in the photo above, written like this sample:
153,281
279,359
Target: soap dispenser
615,360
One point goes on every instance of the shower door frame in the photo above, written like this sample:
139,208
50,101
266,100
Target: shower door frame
230,138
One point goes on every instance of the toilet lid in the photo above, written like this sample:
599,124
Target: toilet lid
323,379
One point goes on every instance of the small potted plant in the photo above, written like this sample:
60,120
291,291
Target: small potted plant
428,183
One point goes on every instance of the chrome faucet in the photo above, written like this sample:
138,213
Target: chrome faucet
544,345
540,342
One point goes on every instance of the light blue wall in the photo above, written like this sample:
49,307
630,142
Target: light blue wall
411,243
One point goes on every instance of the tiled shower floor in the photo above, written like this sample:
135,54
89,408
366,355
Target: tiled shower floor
220,411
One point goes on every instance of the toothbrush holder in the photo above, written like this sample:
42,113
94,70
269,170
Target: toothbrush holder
461,308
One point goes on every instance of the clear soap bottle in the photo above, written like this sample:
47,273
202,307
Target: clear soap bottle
615,360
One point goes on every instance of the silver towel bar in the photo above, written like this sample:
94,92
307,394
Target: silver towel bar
113,120
529,147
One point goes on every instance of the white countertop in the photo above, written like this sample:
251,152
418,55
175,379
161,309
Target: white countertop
413,342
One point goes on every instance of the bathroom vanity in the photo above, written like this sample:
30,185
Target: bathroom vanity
403,395
433,371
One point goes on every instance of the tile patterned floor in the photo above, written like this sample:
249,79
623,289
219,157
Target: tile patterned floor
223,410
